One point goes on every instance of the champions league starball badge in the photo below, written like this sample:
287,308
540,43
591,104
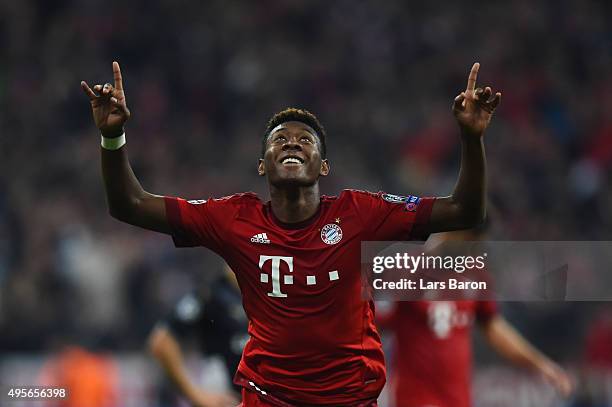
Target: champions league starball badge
394,198
410,202
331,233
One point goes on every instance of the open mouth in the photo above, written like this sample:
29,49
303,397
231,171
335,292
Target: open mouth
292,161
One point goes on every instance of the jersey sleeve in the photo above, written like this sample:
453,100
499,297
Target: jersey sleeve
393,217
485,311
200,222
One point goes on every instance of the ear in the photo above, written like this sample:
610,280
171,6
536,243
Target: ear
260,167
325,168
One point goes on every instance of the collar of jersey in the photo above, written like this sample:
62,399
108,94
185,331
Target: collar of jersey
296,225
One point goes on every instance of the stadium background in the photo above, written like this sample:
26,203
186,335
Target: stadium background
202,78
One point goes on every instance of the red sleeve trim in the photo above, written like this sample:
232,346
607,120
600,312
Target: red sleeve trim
173,214
424,211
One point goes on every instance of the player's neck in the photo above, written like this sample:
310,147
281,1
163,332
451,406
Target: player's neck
293,205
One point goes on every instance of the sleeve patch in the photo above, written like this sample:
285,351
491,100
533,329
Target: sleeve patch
197,201
409,201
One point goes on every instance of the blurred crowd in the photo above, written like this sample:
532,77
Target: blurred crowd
203,78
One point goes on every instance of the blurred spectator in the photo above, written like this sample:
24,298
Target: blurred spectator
89,379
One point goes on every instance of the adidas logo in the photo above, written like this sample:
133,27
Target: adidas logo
260,238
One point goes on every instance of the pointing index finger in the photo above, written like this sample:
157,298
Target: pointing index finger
117,76
471,84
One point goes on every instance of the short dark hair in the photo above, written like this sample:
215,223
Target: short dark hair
292,114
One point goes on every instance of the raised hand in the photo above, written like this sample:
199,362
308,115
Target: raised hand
108,105
474,107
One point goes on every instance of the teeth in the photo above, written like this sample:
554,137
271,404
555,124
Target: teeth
291,160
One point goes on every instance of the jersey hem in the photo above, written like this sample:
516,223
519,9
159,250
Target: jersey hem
251,381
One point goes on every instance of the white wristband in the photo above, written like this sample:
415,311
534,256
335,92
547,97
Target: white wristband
113,143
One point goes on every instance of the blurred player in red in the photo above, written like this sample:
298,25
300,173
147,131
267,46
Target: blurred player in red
432,354
296,257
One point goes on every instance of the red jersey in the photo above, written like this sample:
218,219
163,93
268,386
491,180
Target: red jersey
433,350
312,336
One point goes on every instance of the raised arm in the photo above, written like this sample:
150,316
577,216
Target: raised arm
514,347
127,200
466,207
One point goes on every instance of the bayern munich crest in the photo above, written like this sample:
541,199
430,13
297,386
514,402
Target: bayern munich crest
331,233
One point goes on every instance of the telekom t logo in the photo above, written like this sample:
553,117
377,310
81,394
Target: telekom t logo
276,285
287,278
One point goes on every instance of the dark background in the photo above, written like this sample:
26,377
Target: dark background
203,78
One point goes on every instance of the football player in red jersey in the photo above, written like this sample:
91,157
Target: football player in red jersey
435,369
313,339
